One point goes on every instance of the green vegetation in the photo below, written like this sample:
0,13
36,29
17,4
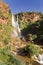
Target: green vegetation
23,25
6,29
7,58
5,24
32,49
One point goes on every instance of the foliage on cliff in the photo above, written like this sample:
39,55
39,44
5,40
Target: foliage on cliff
5,23
7,58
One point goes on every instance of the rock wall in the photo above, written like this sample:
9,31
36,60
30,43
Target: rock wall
5,23
4,12
29,16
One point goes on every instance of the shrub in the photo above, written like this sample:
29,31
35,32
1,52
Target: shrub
7,58
32,37
32,49
6,41
23,24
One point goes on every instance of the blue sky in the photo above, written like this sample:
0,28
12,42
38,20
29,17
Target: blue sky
25,5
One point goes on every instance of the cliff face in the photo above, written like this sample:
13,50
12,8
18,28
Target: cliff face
5,23
4,11
29,16
4,8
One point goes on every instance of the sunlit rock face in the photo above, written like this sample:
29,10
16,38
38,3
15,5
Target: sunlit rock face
3,20
29,16
4,12
4,8
32,17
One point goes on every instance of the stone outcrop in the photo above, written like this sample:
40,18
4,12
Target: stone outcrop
4,11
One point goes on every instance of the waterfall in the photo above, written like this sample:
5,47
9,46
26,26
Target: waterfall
16,31
40,57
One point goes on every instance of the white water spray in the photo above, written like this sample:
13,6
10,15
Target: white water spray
39,59
16,31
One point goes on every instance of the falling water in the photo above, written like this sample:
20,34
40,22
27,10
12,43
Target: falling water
16,31
40,57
